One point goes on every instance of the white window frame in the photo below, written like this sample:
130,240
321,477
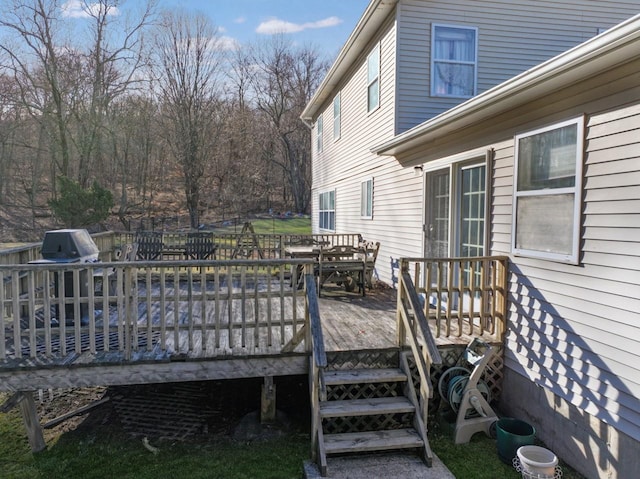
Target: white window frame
576,191
327,210
455,166
366,199
375,53
337,116
434,60
319,133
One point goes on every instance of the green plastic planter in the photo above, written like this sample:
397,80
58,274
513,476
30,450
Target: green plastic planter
511,434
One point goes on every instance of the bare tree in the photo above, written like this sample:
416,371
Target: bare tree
284,80
67,84
112,64
189,57
32,53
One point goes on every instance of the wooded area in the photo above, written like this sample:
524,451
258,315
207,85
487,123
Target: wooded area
153,106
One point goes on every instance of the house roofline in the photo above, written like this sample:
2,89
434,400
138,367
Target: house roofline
616,46
376,13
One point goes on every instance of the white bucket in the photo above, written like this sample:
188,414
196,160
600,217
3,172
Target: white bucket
537,461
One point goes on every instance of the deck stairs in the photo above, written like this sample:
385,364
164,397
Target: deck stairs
370,407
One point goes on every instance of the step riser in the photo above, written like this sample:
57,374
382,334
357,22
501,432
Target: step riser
366,407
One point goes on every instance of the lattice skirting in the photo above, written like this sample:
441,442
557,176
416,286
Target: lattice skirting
452,355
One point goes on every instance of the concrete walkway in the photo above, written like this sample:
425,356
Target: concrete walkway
407,466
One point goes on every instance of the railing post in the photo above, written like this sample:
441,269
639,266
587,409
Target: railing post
130,273
308,272
401,331
501,296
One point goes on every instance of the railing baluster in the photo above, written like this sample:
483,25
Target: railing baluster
216,286
3,318
163,309
203,308
176,309
256,309
190,318
243,305
91,307
230,339
31,312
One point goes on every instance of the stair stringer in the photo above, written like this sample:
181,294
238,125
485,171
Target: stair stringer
418,422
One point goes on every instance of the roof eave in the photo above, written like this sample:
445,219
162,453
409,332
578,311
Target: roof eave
376,13
616,46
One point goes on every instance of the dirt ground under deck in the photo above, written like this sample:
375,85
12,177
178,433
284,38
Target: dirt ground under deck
190,411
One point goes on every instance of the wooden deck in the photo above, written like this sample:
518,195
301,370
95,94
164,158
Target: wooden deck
170,321
134,322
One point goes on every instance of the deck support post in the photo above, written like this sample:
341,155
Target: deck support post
31,422
268,402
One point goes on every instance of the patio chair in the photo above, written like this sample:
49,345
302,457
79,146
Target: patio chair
149,245
369,254
200,246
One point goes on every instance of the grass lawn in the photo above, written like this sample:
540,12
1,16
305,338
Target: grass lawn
294,225
101,450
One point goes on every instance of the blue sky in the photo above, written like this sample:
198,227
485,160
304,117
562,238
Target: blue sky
325,24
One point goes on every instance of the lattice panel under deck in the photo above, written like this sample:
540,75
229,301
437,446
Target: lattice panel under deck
362,359
363,391
382,422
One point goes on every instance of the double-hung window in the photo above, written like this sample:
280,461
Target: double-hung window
336,117
454,53
327,210
547,192
319,132
373,79
366,199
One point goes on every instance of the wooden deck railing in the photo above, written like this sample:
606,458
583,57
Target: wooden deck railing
248,246
461,296
317,364
135,308
448,297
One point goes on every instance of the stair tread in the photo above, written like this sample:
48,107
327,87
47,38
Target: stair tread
357,376
372,441
366,407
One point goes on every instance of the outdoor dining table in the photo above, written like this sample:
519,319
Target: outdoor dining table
303,251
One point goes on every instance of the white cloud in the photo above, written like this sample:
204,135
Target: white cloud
275,25
228,43
80,9
240,20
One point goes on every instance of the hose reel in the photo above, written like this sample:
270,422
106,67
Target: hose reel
452,385
468,395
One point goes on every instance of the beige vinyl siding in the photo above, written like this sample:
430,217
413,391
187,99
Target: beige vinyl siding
574,329
513,36
345,162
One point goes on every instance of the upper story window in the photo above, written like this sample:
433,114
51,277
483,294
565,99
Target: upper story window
548,182
366,199
373,79
453,61
319,129
336,117
327,210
